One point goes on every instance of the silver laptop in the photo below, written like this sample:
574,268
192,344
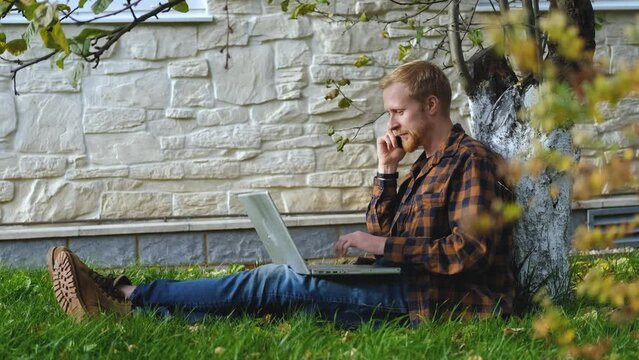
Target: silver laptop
278,243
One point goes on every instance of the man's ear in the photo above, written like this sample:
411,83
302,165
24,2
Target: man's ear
431,105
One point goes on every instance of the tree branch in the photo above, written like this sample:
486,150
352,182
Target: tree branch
117,33
456,47
24,64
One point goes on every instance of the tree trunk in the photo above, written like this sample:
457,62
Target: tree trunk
541,235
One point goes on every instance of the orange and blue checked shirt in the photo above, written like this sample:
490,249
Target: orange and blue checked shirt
452,269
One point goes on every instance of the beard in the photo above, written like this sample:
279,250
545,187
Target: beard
409,142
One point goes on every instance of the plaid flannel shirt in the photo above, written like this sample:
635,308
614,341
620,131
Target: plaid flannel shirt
451,269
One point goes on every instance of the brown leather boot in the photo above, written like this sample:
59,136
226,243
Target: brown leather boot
82,292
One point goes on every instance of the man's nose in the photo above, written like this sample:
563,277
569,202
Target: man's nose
392,122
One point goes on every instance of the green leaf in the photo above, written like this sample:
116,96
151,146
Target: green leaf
362,61
47,40
476,37
17,47
76,74
30,33
599,22
404,51
81,3
43,15
59,37
60,61
344,103
301,10
340,144
363,17
284,5
419,34
63,7
3,47
181,7
385,34
3,37
100,5
91,33
330,131
343,82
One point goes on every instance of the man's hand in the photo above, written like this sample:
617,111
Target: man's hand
364,241
389,153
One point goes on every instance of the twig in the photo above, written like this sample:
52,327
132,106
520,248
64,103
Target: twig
25,64
8,9
229,30
123,9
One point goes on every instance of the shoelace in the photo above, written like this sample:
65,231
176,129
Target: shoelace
107,283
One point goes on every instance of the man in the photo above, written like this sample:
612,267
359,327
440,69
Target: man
449,266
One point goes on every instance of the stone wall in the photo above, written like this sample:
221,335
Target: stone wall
161,129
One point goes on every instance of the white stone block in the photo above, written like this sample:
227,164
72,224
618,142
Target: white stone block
124,148
168,127
305,141
112,67
246,81
150,89
357,40
222,116
623,56
354,156
97,173
280,162
8,118
189,68
290,75
356,199
192,93
275,181
170,171
288,91
279,26
34,166
311,200
211,169
321,73
179,113
336,179
334,59
280,132
363,73
49,124
39,78
151,42
200,204
279,113
9,168
130,205
292,53
210,37
6,191
172,142
217,7
113,120
231,137
55,200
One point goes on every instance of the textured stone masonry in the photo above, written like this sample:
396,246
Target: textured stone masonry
161,129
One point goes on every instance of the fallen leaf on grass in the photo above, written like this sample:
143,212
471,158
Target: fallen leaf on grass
475,357
511,331
219,350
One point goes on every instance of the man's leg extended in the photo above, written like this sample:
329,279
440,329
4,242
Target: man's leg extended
275,289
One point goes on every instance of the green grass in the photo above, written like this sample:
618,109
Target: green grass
32,326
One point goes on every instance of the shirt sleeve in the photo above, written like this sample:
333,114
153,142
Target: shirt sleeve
381,209
465,248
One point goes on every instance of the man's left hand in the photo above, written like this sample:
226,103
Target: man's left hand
366,242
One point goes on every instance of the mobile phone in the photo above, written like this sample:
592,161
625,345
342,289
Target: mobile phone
399,140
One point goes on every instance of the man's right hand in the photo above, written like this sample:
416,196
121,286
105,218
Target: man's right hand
389,153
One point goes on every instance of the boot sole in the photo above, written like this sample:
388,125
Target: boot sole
51,258
65,286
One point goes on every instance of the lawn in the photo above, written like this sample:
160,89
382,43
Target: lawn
33,326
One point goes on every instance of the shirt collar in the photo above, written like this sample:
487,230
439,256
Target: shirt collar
446,149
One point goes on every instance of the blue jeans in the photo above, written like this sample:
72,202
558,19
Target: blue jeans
276,289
